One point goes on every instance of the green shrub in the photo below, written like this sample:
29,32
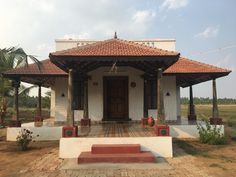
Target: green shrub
210,134
24,138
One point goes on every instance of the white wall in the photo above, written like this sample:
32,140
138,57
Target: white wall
178,101
170,102
61,102
166,44
159,146
95,92
95,95
52,102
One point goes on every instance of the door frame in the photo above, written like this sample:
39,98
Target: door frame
105,107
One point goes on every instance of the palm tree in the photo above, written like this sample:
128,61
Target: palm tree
11,58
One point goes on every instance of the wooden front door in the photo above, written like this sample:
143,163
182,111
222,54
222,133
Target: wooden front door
115,98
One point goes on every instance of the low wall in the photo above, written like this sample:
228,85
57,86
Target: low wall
55,133
45,133
159,146
187,131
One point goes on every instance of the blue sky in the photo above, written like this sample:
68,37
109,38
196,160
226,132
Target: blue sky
204,30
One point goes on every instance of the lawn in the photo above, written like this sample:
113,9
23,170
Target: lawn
226,112
220,160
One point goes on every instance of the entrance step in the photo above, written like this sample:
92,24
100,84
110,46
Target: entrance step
141,157
115,148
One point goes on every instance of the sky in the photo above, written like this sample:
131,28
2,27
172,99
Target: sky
204,30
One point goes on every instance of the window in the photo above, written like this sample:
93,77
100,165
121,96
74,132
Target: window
78,95
151,93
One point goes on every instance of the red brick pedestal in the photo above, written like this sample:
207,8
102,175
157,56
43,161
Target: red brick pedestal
162,130
38,121
85,122
69,131
216,121
192,117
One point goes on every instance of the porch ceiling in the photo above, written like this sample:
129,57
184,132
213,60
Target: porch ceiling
149,65
188,79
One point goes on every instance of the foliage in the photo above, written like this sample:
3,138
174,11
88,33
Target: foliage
210,134
3,110
11,58
24,138
208,100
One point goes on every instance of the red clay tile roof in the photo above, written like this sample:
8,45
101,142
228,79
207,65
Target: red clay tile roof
184,65
47,68
114,47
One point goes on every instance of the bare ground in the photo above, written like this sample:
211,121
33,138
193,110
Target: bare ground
192,159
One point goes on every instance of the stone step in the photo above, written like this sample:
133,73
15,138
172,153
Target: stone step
115,148
141,157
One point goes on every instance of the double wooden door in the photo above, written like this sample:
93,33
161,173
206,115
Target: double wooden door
115,98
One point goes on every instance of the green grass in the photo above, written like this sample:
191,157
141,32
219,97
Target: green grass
226,112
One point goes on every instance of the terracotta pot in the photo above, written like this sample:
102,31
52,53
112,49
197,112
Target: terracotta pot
144,121
151,121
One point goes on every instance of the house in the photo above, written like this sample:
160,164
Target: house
116,80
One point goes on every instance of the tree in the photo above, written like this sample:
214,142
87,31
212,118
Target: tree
11,58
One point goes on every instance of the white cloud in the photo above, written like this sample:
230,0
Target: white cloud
143,16
173,4
209,32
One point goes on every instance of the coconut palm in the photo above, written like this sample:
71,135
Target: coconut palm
11,58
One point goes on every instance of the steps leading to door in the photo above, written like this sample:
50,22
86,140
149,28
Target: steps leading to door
116,153
115,148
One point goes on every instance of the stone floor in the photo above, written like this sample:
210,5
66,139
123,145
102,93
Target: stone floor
49,165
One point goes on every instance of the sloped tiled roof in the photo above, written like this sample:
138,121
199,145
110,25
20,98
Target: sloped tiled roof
184,65
114,47
47,68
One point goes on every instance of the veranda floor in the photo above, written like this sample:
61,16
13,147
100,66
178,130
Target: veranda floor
116,130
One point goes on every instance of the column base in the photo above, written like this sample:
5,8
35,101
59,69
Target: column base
192,117
162,130
15,123
216,121
69,131
85,122
38,121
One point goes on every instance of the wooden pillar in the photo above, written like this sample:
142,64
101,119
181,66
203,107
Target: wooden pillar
215,111
39,101
70,111
86,121
15,118
145,104
160,97
192,116
215,119
86,111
